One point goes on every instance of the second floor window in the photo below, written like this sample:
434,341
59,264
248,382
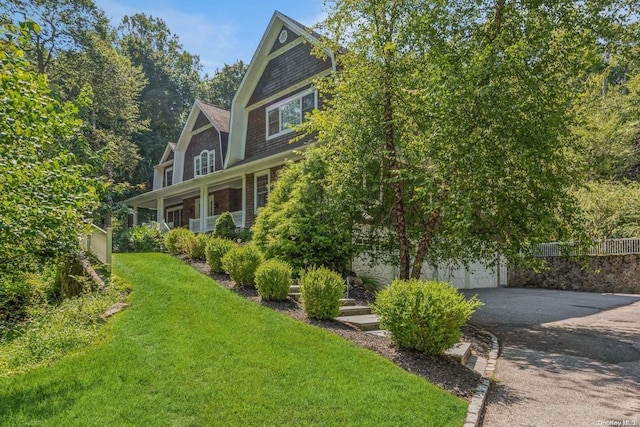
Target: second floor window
168,177
282,116
204,163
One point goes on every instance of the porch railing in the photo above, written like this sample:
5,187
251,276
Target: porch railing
99,242
194,223
604,247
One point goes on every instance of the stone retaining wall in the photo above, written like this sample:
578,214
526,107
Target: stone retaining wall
611,273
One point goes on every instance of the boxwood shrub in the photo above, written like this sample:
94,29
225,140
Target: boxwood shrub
216,249
225,226
273,279
176,240
241,263
321,291
196,246
424,316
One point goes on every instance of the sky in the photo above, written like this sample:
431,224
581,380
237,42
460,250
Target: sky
220,32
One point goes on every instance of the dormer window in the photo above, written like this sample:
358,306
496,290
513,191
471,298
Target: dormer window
168,176
290,112
204,163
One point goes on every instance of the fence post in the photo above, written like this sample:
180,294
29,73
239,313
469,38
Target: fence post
109,248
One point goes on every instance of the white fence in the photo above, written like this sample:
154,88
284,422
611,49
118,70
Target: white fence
604,247
100,243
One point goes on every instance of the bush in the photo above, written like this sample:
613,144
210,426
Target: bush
241,263
302,223
140,238
273,279
424,316
321,291
176,240
216,249
20,294
245,235
196,246
225,226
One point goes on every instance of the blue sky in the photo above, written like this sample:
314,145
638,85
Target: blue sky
218,31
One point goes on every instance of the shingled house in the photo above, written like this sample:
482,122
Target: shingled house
228,160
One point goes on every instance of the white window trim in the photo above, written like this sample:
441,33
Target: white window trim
166,181
279,104
197,163
255,187
174,209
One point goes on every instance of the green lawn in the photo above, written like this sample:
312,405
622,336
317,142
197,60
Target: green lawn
188,352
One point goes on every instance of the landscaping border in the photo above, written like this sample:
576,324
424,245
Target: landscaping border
479,399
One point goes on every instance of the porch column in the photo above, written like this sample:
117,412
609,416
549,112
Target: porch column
204,208
160,211
135,215
244,200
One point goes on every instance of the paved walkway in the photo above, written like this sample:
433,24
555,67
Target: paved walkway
568,358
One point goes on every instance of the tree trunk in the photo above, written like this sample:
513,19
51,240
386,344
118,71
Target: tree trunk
425,244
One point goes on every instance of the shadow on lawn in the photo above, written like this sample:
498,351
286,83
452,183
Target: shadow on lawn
40,402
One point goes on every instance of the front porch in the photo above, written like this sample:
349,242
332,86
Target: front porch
195,224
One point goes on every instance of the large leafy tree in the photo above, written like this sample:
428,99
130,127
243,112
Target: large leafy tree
222,87
448,124
173,81
45,195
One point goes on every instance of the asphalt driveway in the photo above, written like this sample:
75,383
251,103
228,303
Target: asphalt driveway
567,358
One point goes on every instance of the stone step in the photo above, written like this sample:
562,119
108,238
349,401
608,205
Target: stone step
380,333
294,288
364,322
460,352
477,363
295,295
354,310
347,301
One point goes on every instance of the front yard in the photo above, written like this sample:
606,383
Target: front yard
189,352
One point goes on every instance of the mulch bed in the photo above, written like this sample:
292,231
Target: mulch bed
439,370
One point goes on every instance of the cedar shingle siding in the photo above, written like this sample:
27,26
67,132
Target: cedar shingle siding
283,71
290,38
201,121
205,140
257,144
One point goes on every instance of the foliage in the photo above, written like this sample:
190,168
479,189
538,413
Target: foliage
217,248
371,283
175,240
321,291
173,79
241,263
196,246
165,341
222,87
140,238
273,279
302,223
225,227
245,235
45,194
611,209
20,293
456,119
424,316
57,330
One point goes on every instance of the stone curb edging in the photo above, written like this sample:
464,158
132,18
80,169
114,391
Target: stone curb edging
480,396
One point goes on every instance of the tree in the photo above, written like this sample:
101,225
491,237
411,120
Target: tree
62,25
302,224
173,80
456,118
45,195
222,87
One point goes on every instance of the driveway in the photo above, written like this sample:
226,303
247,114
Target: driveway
567,358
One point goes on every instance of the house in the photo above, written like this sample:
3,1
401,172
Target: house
228,160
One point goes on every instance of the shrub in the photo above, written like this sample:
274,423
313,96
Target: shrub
245,235
241,263
216,249
225,226
273,279
20,294
302,223
196,246
176,240
321,291
424,316
140,238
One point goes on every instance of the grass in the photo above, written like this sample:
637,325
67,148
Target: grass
188,352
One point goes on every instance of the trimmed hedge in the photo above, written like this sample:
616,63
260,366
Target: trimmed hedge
321,291
225,227
216,249
241,263
176,240
273,280
424,316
